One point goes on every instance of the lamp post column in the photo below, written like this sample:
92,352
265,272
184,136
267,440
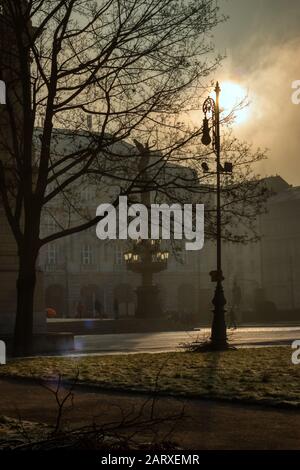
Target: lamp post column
218,334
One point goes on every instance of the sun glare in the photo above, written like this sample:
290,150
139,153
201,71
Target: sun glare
234,99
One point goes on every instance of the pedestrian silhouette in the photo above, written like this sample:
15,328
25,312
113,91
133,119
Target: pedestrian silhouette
232,323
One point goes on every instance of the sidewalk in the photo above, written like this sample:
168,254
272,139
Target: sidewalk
207,425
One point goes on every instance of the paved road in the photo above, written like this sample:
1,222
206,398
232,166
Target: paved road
206,424
159,342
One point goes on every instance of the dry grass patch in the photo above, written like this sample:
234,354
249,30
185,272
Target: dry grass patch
252,375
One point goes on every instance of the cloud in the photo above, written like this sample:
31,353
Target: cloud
275,120
263,49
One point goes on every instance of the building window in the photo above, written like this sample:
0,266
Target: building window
52,254
119,256
50,224
182,256
86,255
105,252
87,194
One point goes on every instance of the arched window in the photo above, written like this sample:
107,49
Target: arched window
52,254
86,255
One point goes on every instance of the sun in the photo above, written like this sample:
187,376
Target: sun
234,95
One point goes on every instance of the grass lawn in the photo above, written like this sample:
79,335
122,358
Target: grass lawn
264,375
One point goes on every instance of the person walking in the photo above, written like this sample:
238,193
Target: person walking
232,323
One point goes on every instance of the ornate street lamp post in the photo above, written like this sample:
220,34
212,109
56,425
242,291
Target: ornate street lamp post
212,107
146,257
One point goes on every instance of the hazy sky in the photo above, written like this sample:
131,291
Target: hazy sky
262,42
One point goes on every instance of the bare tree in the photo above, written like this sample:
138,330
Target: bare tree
82,77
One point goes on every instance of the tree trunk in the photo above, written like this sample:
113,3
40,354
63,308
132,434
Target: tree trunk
23,335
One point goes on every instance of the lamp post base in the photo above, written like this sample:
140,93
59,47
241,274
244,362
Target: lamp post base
218,330
148,303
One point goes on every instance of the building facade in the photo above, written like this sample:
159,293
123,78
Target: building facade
87,277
